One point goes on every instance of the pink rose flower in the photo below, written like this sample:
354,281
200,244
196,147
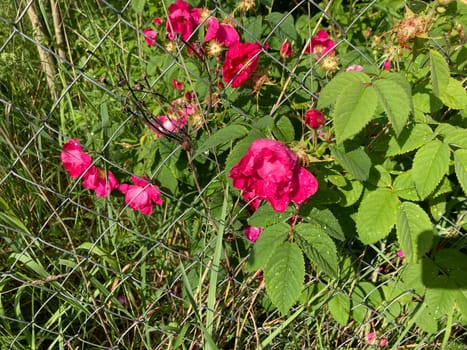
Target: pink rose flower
182,20
314,118
98,180
74,160
157,21
142,195
270,171
253,233
286,50
223,33
240,62
320,44
150,36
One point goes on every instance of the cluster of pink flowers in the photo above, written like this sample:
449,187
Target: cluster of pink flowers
141,196
180,110
270,171
241,58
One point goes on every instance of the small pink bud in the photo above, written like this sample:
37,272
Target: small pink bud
387,65
314,118
383,342
371,338
400,253
150,36
286,50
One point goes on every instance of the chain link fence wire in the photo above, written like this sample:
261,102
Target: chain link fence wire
80,272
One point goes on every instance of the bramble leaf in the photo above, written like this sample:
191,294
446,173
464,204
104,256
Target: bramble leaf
318,247
454,95
430,164
376,215
395,101
338,85
284,275
439,72
339,307
409,139
354,109
355,161
270,238
328,222
414,231
460,166
221,136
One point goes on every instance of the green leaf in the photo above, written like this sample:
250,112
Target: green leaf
282,24
376,215
138,5
453,135
431,163
395,101
439,72
439,301
454,95
284,276
354,109
409,139
327,221
339,307
267,216
414,231
460,166
338,85
270,238
284,129
405,186
221,136
355,161
350,193
318,247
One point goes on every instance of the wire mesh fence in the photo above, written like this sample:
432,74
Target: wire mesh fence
82,272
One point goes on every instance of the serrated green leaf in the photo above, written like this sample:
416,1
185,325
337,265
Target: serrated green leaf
339,307
453,135
379,176
354,109
284,129
439,301
284,276
355,161
460,166
409,139
328,222
282,24
427,322
138,5
376,215
338,85
454,95
267,216
318,247
439,72
351,193
395,101
221,136
431,163
414,231
405,187
270,238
